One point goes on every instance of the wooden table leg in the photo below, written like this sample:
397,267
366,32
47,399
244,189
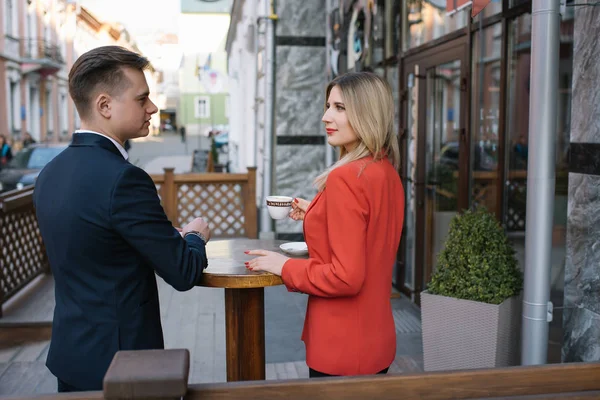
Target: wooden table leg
245,330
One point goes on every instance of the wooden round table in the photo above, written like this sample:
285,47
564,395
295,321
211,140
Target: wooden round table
244,303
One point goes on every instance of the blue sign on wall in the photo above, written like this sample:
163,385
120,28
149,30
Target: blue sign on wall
23,113
206,6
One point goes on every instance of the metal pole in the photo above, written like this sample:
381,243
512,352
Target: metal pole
266,223
537,308
257,72
329,38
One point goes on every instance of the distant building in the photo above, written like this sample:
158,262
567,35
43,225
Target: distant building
203,81
40,41
34,58
166,57
462,89
91,33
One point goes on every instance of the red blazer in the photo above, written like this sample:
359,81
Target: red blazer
352,229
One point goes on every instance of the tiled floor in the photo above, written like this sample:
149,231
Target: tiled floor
194,320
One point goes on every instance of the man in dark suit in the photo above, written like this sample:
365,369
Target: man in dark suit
105,232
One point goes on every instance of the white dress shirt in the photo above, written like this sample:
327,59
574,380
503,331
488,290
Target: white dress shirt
121,148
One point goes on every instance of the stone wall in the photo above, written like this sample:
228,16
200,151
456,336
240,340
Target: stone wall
581,319
299,98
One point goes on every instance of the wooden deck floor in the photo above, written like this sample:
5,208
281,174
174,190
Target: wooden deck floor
194,320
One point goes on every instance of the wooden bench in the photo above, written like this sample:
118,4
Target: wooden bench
130,376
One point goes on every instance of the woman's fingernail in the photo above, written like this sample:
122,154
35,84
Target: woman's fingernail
247,252
295,200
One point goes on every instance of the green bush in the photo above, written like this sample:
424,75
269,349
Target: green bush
477,262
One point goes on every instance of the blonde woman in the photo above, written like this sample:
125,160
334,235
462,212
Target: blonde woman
352,228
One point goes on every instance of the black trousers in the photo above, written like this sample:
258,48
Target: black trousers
64,387
316,374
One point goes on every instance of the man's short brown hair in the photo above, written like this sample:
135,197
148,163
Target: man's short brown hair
101,68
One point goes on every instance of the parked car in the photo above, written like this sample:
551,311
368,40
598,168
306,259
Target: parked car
26,165
483,156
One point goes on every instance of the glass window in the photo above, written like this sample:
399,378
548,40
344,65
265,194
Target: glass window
513,3
49,113
392,27
443,103
378,32
202,107
392,78
492,8
334,45
379,71
410,178
486,113
517,124
9,20
13,114
42,156
20,159
34,157
426,20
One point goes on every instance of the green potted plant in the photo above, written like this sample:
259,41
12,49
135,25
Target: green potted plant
471,311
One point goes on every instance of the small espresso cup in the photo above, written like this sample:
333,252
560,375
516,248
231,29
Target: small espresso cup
279,206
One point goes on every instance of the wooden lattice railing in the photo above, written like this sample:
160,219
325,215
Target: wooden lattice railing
226,201
22,252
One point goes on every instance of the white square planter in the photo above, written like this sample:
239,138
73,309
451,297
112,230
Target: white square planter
465,334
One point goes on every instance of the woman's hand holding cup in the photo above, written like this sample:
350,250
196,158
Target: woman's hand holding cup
299,207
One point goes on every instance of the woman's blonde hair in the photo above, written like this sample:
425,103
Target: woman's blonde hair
370,109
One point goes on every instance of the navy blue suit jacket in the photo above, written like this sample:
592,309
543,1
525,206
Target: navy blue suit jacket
106,235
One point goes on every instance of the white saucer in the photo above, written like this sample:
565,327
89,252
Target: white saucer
295,248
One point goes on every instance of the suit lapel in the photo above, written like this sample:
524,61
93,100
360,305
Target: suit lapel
88,139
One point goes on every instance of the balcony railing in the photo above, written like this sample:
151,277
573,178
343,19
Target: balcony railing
36,49
226,200
22,252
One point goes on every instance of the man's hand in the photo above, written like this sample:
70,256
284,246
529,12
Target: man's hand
199,225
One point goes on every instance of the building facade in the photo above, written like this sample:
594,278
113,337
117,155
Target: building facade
37,38
90,33
294,59
40,41
203,80
461,87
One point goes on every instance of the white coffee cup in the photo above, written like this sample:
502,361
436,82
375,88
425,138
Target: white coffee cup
279,206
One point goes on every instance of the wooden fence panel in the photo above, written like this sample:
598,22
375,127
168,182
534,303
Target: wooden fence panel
22,252
226,201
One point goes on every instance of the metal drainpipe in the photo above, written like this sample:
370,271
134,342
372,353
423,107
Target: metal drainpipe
266,223
329,39
537,309
256,97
